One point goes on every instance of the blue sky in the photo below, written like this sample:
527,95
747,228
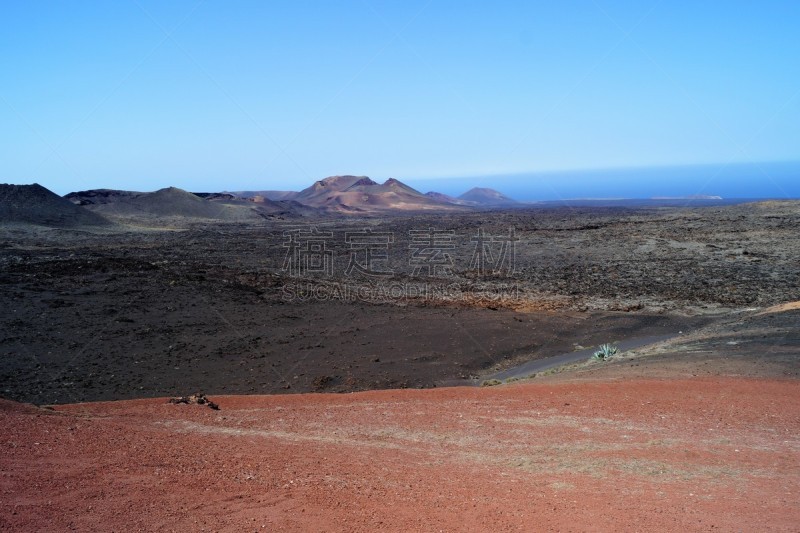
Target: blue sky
274,95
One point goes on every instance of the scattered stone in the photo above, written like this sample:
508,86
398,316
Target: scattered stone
199,399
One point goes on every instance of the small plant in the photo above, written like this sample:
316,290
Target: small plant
491,383
605,352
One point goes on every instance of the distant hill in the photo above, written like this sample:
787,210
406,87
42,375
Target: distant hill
216,196
487,198
173,201
262,204
101,196
346,194
325,189
176,203
272,195
170,201
445,199
361,194
34,204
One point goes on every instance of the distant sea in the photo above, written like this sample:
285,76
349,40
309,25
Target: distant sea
734,181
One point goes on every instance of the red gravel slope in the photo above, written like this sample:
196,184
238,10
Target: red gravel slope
646,455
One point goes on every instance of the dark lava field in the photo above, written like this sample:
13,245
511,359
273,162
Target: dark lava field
346,303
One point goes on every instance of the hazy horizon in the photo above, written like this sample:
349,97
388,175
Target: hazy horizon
755,180
752,181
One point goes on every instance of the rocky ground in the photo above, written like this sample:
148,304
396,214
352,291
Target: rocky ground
135,312
696,432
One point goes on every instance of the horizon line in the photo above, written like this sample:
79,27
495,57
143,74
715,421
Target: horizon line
612,169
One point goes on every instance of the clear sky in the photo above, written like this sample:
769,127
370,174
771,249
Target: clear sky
232,95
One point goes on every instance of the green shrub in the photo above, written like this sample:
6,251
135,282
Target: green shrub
605,352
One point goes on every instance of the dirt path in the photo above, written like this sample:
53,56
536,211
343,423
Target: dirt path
697,454
530,368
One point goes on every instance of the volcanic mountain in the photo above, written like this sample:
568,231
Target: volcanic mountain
101,196
361,194
34,204
487,198
175,203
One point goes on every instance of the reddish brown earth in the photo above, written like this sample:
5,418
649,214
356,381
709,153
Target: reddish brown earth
634,454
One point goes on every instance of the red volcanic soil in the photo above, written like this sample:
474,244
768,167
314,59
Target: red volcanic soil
627,454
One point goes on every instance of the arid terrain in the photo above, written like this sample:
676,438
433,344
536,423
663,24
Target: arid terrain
399,266
621,455
696,430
